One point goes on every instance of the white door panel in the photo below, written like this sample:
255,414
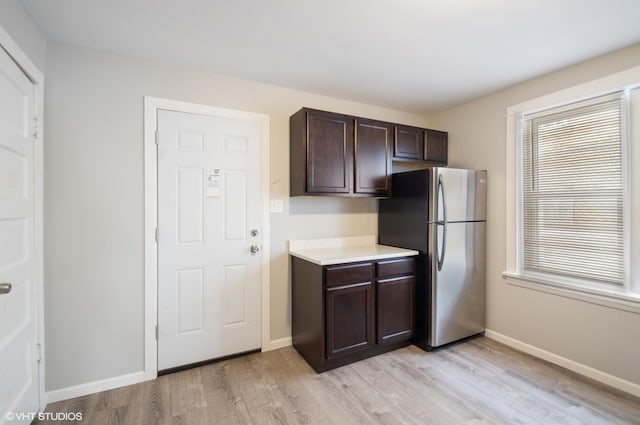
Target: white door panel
19,385
208,203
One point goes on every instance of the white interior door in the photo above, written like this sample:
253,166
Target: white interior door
209,216
19,382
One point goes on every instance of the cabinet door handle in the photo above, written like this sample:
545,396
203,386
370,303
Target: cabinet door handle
354,285
395,279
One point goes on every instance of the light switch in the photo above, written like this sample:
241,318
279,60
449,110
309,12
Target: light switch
277,206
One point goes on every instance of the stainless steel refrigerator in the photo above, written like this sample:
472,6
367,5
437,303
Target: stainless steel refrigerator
441,212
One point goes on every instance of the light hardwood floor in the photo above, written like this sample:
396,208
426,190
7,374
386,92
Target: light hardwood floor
477,382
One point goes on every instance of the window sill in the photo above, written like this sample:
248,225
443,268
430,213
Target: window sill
625,301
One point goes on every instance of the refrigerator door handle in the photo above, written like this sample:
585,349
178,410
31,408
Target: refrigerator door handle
443,250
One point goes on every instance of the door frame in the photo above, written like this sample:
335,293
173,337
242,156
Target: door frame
37,78
151,107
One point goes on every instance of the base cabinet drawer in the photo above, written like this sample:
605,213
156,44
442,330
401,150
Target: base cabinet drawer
345,274
395,267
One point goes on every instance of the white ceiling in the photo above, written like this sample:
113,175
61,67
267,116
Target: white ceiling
412,55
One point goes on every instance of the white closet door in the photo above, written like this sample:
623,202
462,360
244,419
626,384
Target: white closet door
19,382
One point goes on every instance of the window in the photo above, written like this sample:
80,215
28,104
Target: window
572,191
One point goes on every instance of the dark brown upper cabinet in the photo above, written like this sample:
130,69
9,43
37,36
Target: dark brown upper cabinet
373,157
321,146
436,146
409,143
418,145
339,155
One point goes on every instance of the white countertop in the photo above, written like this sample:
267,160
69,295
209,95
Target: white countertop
345,250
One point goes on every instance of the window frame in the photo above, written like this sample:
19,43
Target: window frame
624,134
626,297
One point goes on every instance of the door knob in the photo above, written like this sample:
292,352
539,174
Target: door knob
254,248
5,288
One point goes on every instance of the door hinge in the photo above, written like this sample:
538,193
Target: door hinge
156,234
157,137
35,127
39,352
156,332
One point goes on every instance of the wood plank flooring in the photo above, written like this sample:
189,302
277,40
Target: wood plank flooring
477,382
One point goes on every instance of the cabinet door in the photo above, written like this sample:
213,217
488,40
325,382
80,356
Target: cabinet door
329,152
349,319
409,143
436,146
373,157
395,309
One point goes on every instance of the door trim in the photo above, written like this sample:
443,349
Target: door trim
37,78
151,107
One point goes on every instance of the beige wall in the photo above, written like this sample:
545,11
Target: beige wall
18,24
94,200
600,337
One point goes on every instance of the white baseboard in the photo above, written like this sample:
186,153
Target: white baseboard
278,343
598,375
94,387
132,378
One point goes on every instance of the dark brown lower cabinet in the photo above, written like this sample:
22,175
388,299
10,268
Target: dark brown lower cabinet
395,309
347,312
396,287
350,319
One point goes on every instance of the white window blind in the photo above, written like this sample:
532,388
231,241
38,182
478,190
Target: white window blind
573,193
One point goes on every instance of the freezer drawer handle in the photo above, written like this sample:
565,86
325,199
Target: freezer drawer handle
444,223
